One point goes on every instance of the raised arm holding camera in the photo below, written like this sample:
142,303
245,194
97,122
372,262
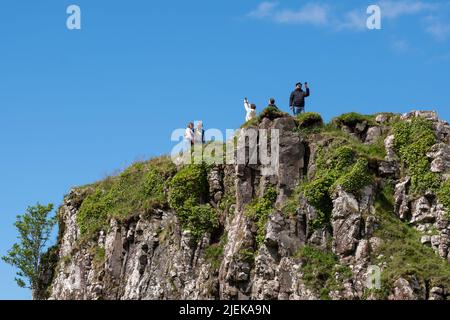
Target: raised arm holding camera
297,99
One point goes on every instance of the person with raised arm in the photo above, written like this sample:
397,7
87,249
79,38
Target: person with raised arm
250,108
297,99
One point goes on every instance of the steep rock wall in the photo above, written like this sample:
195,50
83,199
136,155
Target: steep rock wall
150,256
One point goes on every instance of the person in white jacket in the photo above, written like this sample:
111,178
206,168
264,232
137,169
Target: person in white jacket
251,110
189,136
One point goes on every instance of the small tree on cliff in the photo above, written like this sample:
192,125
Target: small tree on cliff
34,229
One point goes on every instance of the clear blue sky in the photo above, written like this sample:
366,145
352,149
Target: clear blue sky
78,105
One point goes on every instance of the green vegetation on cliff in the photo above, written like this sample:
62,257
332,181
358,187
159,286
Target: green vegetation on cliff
412,142
269,112
322,271
260,209
355,179
137,190
342,160
352,119
345,161
335,166
308,120
444,195
146,186
402,254
214,253
188,193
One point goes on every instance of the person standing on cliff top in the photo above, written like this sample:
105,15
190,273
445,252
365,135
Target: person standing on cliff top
250,109
297,99
199,133
189,135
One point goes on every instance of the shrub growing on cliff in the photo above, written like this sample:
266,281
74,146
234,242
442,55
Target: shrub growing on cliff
93,214
34,229
340,159
188,191
317,193
336,166
357,178
412,142
188,186
259,209
444,196
199,219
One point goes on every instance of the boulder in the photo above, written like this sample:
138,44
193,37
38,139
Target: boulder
403,290
440,156
382,117
373,134
389,145
346,222
401,198
429,115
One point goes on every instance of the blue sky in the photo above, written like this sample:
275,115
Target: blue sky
79,105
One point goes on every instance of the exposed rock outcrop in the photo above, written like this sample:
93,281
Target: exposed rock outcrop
152,256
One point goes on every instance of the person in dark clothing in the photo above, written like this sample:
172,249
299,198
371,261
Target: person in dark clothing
297,99
272,103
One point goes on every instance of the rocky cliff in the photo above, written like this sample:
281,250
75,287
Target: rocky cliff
349,198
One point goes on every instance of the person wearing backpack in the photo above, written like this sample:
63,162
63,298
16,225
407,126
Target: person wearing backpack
297,99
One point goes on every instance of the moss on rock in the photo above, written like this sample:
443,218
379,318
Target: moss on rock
412,141
357,178
309,120
188,193
336,166
351,119
259,209
444,196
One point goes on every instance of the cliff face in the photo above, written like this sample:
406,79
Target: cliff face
345,199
